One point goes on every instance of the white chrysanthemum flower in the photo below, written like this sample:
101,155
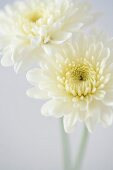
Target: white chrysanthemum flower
78,83
32,26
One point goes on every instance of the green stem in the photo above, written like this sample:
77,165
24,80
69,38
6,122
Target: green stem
82,149
65,147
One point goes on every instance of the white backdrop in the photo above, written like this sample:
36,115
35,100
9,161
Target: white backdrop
29,141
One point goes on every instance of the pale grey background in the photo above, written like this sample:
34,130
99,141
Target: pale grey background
29,141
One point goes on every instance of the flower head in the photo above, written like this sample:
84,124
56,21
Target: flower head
78,82
30,27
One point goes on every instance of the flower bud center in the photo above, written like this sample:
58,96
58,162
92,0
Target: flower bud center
80,73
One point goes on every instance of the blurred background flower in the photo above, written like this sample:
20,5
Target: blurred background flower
29,27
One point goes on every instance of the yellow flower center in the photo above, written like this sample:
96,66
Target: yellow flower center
33,16
79,73
79,79
30,24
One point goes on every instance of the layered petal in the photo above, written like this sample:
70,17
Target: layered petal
37,93
70,121
56,108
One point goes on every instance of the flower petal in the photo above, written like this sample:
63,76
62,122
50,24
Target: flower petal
34,76
61,37
99,95
49,49
56,108
69,122
91,123
36,93
106,116
108,99
7,54
94,115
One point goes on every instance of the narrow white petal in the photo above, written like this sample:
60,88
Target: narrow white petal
75,27
91,123
61,37
106,115
37,93
94,115
17,66
6,60
69,122
107,119
99,95
49,49
56,108
34,76
83,115
108,99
